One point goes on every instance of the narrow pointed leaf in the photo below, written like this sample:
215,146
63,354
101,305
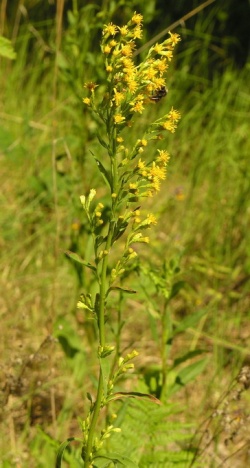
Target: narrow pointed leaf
104,172
61,449
125,290
176,288
144,396
74,256
189,322
119,459
188,374
103,143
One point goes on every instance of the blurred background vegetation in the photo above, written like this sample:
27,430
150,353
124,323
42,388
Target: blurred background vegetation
203,210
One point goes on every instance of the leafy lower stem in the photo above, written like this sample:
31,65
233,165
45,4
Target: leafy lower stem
101,328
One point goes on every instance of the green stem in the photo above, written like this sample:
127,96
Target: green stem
101,327
101,311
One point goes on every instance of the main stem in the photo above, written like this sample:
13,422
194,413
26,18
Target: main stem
101,328
101,312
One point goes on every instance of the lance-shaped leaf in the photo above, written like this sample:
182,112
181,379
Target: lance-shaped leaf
102,142
118,288
74,256
106,175
119,230
176,288
61,449
144,396
117,459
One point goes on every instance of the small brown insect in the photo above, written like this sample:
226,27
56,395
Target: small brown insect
159,94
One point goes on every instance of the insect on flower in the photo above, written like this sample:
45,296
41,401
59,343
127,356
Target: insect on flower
159,94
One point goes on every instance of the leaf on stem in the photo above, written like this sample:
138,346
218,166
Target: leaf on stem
187,374
125,290
189,321
74,256
104,172
119,230
176,288
144,396
61,449
102,142
117,459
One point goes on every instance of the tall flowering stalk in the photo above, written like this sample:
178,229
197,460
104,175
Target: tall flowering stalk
130,177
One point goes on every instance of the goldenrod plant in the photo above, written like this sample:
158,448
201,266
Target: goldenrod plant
131,177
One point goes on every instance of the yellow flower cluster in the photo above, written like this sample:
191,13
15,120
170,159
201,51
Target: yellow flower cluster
153,173
130,88
170,123
131,84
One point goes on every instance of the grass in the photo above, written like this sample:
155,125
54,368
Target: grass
203,215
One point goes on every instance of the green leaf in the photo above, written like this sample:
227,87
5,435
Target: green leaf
188,374
118,288
102,142
176,288
119,230
74,256
68,338
99,241
188,355
104,172
139,395
189,321
117,458
6,48
61,449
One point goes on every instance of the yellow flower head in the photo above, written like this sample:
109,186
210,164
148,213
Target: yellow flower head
112,43
137,18
174,115
132,84
124,30
163,157
137,33
137,107
118,97
174,38
118,118
150,73
141,164
110,30
86,101
107,49
128,64
127,49
157,172
151,219
168,54
161,65
158,48
170,126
